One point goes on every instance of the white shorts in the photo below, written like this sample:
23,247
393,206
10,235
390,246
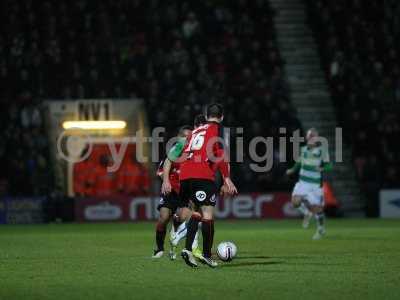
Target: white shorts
311,192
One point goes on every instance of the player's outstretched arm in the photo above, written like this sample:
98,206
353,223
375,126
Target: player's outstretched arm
173,155
229,187
326,167
293,169
222,164
224,168
166,187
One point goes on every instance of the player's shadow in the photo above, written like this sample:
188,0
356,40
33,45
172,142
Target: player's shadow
261,260
292,257
253,257
251,263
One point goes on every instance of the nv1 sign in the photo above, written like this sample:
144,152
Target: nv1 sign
389,203
94,110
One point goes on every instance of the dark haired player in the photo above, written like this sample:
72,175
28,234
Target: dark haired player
201,154
199,120
170,202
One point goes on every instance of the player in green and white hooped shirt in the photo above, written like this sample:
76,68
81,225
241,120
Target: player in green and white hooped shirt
307,194
180,233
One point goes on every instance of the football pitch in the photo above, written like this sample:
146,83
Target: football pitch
358,259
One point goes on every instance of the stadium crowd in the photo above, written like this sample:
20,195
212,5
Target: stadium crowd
180,55
176,55
359,46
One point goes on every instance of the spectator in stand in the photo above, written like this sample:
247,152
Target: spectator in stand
133,178
190,26
83,177
103,180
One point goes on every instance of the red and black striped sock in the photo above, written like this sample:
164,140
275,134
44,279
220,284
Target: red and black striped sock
161,230
207,228
192,227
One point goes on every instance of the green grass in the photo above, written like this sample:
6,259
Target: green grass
359,259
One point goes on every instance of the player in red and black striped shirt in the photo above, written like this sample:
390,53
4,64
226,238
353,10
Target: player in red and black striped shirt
202,155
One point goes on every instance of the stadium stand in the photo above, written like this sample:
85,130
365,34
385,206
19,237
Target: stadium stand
359,44
177,55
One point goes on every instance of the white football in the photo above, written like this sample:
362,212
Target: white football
226,251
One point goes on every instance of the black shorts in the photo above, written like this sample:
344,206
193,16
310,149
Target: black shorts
201,191
171,201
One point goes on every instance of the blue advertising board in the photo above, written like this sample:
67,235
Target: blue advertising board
22,210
